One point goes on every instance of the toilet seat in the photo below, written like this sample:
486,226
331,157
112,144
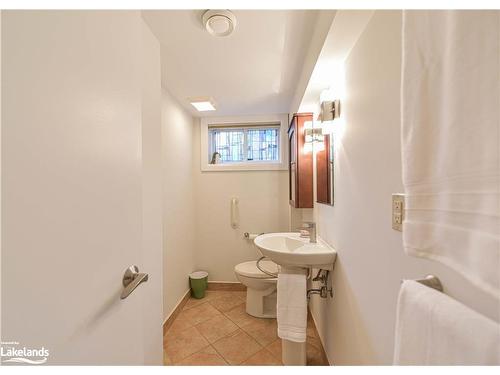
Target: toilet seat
249,269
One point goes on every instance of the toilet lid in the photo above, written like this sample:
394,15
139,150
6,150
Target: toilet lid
249,269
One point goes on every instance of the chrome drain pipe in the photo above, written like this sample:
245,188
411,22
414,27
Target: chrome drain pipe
323,291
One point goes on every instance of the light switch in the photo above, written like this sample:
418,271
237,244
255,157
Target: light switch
397,211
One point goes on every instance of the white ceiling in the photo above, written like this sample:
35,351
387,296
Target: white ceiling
253,71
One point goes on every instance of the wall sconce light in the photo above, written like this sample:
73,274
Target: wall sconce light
330,110
314,138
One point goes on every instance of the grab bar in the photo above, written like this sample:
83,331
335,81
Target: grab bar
308,276
131,280
264,271
234,213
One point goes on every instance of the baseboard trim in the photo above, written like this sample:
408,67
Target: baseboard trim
177,309
232,286
323,353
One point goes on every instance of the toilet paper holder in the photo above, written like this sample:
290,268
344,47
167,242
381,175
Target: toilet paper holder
251,236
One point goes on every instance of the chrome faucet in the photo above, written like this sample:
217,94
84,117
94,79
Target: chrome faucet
310,227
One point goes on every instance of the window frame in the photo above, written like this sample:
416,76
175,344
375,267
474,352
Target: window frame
246,122
245,128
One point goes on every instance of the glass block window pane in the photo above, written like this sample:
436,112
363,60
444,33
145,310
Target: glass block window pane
229,144
262,144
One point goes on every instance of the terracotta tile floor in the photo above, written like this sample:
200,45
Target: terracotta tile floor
216,331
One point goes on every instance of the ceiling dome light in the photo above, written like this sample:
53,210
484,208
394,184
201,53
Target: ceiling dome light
219,22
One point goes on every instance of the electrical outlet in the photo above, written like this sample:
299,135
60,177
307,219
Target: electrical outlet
397,211
398,219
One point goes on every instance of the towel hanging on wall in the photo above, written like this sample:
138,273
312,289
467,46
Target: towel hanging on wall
450,99
434,329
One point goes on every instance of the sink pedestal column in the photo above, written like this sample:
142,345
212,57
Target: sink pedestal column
294,353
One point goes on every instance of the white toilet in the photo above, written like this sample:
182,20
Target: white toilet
261,287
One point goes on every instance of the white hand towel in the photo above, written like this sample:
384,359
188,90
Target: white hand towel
434,329
292,305
450,99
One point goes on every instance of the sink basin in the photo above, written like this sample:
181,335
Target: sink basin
289,249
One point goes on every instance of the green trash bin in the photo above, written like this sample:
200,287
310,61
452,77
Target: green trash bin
198,281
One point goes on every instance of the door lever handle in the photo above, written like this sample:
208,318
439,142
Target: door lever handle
131,280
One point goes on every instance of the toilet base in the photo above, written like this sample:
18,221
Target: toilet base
261,303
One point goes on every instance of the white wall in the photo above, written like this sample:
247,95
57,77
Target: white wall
0,170
197,231
179,222
152,213
357,325
263,207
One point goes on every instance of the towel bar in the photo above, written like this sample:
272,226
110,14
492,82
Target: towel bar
432,282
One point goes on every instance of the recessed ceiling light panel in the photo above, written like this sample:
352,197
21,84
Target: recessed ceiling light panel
219,22
202,104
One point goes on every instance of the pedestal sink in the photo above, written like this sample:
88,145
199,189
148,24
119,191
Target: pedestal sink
291,251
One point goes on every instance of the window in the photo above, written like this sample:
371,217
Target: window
252,144
244,143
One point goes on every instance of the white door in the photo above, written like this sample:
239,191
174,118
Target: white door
72,213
